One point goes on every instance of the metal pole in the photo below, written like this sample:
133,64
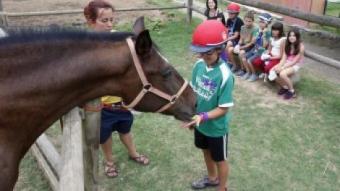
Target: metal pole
189,10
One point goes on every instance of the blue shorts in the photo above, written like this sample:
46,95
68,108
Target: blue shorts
250,52
234,42
114,120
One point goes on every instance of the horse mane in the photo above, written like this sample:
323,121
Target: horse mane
32,35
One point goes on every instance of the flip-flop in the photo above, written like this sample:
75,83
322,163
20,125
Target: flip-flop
110,170
140,159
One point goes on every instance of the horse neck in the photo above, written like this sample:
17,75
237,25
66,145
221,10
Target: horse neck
55,78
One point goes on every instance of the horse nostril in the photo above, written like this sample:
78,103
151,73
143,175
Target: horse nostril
195,105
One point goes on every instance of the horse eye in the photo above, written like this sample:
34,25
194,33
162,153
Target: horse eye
167,73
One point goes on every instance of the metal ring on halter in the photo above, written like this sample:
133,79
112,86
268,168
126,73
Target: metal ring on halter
173,99
147,87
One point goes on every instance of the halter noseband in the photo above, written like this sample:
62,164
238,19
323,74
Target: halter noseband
147,87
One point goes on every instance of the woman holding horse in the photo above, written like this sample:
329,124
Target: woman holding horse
114,117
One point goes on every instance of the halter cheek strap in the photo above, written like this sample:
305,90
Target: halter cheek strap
147,87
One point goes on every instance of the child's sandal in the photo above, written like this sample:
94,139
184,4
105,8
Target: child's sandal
110,170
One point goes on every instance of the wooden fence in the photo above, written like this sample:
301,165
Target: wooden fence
4,16
64,171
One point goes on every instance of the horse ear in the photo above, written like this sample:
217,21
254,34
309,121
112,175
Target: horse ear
143,43
139,26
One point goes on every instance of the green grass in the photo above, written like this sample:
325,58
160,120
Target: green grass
333,9
274,145
30,177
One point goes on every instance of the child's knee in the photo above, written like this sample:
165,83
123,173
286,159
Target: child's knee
230,49
283,74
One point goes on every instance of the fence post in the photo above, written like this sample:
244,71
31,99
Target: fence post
189,10
72,170
91,125
2,17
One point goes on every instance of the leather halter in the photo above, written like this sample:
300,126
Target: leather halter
147,87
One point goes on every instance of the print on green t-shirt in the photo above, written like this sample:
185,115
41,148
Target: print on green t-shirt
213,87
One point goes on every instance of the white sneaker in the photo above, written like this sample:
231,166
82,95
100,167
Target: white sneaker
262,75
252,78
246,76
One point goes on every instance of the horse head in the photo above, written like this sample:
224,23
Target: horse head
165,90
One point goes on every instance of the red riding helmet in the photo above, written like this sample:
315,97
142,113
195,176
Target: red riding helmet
233,8
208,35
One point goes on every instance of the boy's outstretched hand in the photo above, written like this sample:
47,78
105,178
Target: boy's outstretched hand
195,122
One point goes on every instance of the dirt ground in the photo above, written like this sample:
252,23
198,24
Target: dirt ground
19,6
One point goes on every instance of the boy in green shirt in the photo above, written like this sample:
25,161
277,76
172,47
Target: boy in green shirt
213,83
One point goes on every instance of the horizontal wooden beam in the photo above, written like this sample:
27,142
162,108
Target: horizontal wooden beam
319,19
45,167
50,153
80,11
323,59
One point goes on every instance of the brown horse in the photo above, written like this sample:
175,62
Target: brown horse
45,74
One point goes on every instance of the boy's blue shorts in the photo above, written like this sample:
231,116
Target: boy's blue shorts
250,53
114,120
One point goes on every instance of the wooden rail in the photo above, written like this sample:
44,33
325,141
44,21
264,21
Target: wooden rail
319,19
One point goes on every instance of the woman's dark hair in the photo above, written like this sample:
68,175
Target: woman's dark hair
91,10
207,4
279,27
296,44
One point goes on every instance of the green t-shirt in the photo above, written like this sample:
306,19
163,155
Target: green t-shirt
213,87
248,33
